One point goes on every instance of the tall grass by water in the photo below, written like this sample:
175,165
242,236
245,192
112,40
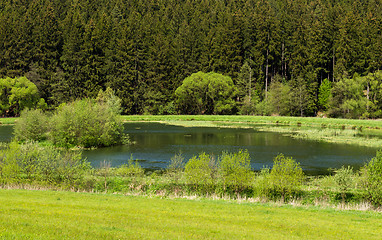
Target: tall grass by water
226,176
366,138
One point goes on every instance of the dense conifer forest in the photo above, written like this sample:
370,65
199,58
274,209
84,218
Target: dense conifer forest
285,57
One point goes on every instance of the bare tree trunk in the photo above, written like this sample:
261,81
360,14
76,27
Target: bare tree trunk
333,65
250,80
282,60
367,96
266,69
266,75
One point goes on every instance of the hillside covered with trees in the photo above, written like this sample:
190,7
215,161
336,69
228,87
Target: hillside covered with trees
284,57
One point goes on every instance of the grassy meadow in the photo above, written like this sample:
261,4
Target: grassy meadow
7,121
215,120
68,215
244,119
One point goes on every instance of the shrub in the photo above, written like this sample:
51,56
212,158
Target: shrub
86,123
262,185
200,171
9,168
32,125
344,179
176,166
374,179
131,169
286,175
43,164
110,99
235,170
176,163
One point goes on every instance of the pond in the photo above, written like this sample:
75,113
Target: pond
155,144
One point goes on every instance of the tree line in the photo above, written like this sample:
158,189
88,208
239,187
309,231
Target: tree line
144,49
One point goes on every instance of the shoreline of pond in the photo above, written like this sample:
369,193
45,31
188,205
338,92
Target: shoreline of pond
324,130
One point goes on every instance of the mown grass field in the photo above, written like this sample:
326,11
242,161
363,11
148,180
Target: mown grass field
27,214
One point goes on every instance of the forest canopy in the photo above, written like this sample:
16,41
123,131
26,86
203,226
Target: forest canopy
145,49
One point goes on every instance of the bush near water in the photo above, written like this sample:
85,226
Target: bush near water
225,176
84,123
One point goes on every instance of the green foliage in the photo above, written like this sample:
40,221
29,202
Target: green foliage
206,93
201,171
324,94
374,94
250,106
109,99
32,125
344,178
374,179
286,175
131,169
262,184
86,123
235,170
301,100
244,81
176,163
264,108
32,162
279,98
348,99
17,94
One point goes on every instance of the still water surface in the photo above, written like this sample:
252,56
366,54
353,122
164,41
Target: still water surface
156,143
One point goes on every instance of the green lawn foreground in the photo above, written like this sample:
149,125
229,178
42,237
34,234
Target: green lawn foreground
26,214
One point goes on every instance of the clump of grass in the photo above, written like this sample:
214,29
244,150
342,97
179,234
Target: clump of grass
347,136
131,169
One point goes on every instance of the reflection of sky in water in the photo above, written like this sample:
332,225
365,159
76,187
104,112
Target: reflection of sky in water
157,143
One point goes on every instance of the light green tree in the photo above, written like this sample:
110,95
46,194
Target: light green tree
286,175
206,93
324,93
374,179
17,94
348,98
279,97
200,171
235,170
